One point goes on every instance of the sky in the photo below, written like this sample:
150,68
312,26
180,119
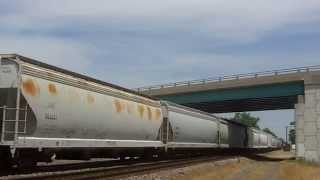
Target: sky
135,43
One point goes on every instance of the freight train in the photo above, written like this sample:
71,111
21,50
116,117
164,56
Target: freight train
47,112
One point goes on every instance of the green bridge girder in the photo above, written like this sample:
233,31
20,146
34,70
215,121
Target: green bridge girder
252,92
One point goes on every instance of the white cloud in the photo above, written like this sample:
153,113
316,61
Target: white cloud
239,20
230,20
193,66
62,53
135,63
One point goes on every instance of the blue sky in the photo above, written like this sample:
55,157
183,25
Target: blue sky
135,43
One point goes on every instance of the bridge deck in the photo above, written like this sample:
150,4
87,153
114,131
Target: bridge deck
245,92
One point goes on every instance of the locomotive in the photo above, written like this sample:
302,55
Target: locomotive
48,112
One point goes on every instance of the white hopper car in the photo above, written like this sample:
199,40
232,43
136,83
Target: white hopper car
46,111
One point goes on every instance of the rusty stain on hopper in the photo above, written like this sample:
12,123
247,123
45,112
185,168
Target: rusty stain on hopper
129,108
158,114
30,87
73,95
90,99
52,89
141,110
117,104
149,113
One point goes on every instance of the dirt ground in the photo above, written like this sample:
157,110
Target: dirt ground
270,166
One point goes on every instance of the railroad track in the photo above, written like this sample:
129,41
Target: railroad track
123,170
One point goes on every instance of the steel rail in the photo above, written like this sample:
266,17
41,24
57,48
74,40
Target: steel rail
231,77
121,170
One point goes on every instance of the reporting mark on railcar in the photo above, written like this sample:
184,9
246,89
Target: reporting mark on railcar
6,69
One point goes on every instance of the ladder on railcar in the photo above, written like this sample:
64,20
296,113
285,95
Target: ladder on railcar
11,126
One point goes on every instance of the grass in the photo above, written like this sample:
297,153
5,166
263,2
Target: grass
305,162
299,170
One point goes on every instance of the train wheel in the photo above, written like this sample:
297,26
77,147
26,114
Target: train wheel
27,163
27,158
122,158
148,155
3,166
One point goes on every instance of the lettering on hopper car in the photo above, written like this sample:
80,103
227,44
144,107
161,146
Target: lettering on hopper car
6,70
30,87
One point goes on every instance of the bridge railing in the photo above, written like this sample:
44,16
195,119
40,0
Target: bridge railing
232,77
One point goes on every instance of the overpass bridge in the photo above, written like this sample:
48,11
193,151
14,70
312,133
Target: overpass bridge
296,88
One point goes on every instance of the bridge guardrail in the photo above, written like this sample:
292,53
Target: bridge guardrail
231,77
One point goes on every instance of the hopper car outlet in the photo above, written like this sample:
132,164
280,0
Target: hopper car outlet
48,112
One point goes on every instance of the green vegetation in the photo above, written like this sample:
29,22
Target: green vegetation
247,119
267,130
251,121
292,134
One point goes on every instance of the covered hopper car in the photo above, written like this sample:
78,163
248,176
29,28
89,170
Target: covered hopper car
48,112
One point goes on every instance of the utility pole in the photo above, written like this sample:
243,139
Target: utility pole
287,134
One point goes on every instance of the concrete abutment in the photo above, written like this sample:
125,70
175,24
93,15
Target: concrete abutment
307,117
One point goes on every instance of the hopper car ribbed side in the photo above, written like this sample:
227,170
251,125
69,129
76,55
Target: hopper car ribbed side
48,111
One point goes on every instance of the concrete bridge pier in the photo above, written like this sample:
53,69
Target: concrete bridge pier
307,117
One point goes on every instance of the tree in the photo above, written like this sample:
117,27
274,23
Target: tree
292,133
292,136
267,130
247,119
